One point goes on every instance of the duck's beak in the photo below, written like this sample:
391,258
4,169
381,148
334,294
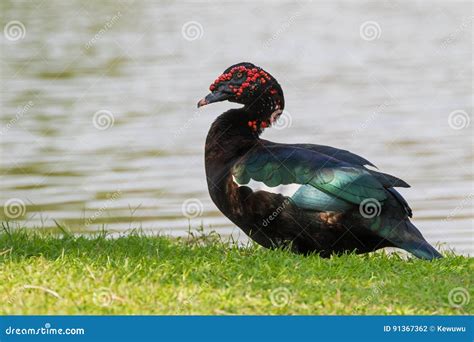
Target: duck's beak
215,96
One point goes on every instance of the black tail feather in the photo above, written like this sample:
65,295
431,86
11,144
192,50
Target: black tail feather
422,250
414,243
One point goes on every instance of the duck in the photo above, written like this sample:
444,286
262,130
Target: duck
307,198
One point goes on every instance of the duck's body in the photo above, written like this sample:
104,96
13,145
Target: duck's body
335,204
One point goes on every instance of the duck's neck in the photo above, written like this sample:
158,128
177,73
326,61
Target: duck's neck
236,131
230,135
228,139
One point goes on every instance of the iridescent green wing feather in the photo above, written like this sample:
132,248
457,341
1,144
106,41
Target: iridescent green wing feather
279,165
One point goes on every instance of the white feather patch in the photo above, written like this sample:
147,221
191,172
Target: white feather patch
285,190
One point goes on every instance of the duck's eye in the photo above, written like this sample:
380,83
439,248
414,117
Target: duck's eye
239,75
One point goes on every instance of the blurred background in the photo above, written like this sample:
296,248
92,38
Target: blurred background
99,126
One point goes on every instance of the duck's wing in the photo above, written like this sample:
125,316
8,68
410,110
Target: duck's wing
337,153
387,180
326,181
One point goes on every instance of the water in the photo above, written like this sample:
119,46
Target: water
385,94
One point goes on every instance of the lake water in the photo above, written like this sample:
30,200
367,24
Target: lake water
99,125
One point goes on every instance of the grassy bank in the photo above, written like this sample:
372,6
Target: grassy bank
136,274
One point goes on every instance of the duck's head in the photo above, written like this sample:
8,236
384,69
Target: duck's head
251,86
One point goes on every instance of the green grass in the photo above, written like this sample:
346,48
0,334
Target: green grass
136,274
